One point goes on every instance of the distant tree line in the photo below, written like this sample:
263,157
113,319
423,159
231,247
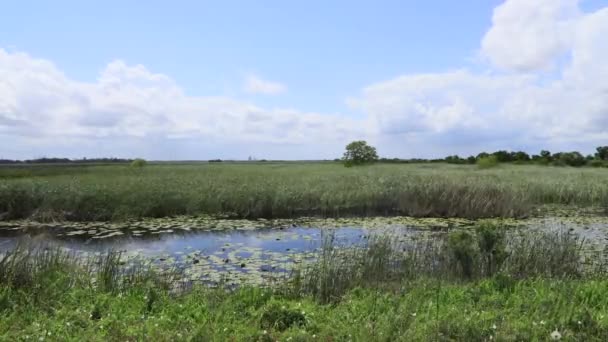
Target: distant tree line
66,161
600,158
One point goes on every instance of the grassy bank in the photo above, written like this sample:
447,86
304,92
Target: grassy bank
292,189
530,311
472,286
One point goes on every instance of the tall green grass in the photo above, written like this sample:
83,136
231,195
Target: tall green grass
460,256
378,293
297,189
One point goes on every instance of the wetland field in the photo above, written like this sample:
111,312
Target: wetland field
298,251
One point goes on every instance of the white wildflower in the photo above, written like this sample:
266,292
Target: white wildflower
555,335
494,326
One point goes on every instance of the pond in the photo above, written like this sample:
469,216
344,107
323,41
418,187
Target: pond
238,251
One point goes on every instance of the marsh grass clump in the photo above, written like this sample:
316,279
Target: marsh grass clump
492,246
466,255
461,245
550,254
277,316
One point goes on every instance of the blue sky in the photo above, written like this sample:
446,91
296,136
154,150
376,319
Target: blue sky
417,78
324,50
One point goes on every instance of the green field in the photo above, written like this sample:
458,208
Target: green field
286,190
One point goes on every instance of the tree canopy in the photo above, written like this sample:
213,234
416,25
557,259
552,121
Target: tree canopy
359,153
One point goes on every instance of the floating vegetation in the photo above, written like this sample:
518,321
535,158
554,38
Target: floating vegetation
233,251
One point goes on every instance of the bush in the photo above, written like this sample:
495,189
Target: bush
597,163
461,245
139,163
491,241
569,158
487,162
277,316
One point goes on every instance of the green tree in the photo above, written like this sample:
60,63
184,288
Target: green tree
569,158
545,154
503,156
483,155
521,156
602,153
359,153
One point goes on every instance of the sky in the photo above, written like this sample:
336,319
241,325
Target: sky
299,80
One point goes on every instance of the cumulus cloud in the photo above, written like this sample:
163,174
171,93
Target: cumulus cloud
514,104
257,85
528,35
517,107
37,101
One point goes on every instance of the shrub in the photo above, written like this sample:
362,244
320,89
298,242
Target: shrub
277,316
596,163
491,241
569,158
487,162
139,163
461,245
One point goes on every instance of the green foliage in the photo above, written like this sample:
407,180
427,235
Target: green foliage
569,158
276,316
139,163
359,153
602,153
461,245
491,242
597,163
487,162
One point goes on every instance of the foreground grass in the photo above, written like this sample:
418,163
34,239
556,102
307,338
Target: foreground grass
472,286
527,310
267,190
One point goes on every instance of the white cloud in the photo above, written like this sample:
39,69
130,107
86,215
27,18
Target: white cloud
528,35
38,102
515,104
529,110
257,85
